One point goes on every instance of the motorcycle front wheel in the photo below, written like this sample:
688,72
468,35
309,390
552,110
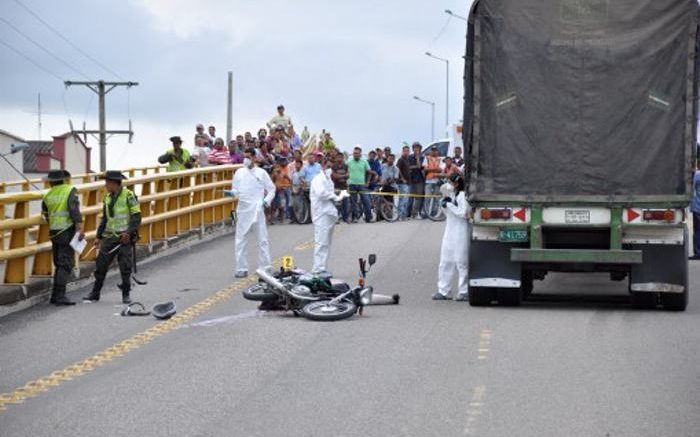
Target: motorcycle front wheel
325,311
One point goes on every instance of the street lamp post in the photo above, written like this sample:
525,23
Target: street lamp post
447,88
452,14
432,115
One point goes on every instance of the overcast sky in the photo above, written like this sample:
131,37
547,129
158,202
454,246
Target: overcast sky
351,67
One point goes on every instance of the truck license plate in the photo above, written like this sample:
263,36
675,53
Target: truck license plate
513,236
577,217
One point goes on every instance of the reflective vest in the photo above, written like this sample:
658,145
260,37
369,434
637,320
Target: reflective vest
56,201
175,163
119,211
433,167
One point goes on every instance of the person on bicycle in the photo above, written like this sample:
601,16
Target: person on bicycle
455,244
375,174
390,174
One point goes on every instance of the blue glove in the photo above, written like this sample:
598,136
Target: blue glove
231,193
445,201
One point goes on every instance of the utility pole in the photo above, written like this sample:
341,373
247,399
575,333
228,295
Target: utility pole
229,110
101,88
39,115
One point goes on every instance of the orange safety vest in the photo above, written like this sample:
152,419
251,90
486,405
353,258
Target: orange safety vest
433,167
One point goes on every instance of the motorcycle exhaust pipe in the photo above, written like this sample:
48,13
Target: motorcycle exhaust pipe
381,299
271,280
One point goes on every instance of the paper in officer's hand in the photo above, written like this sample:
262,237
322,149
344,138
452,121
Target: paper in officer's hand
77,244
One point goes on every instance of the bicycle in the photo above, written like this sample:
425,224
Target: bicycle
431,205
301,205
382,207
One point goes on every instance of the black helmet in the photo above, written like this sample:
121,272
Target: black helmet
458,180
164,311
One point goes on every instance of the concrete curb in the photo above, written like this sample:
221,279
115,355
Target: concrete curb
14,298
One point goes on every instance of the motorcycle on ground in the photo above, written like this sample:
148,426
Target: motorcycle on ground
315,297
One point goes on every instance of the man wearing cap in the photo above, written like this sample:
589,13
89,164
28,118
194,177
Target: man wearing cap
280,119
121,218
61,209
177,158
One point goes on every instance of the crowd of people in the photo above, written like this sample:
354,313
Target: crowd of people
292,160
276,169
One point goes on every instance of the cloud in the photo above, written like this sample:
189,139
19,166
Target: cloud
351,67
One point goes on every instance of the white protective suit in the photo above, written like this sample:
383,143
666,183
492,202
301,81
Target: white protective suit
454,256
254,188
324,215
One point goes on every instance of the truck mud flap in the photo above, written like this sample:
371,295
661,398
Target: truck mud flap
490,265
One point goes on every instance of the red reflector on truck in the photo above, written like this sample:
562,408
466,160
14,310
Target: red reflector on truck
659,215
521,215
632,215
496,214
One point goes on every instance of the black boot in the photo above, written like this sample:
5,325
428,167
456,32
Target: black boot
58,297
94,295
126,289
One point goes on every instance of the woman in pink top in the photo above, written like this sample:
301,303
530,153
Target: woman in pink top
219,155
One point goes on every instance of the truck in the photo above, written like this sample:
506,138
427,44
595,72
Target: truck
580,121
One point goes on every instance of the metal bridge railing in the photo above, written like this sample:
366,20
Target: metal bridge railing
171,204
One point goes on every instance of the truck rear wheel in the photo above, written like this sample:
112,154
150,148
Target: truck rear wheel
510,297
527,282
479,296
675,301
644,301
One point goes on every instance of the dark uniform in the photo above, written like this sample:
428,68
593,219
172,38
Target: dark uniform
121,214
61,209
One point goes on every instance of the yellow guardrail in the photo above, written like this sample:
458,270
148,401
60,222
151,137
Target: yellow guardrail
171,204
85,177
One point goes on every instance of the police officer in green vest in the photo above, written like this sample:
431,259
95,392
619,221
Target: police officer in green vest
116,235
61,209
177,158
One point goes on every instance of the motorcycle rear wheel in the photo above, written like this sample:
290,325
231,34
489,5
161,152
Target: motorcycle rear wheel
323,311
259,293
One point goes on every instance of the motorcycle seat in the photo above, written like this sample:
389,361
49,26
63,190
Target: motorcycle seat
339,286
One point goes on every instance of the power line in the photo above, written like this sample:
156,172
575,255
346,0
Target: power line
69,42
49,52
36,64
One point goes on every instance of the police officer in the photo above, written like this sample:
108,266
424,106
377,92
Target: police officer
61,209
177,158
121,218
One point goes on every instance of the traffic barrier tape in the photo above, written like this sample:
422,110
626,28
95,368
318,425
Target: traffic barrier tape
56,378
391,194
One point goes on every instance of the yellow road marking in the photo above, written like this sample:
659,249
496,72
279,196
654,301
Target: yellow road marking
484,344
475,410
44,384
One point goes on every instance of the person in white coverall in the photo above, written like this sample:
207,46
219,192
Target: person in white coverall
255,191
324,215
455,243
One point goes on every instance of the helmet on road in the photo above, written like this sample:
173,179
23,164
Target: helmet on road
164,311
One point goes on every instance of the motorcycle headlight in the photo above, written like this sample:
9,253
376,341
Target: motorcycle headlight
366,296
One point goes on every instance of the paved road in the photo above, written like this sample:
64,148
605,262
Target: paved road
577,361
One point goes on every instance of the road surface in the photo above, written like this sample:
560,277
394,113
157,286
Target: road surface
576,361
